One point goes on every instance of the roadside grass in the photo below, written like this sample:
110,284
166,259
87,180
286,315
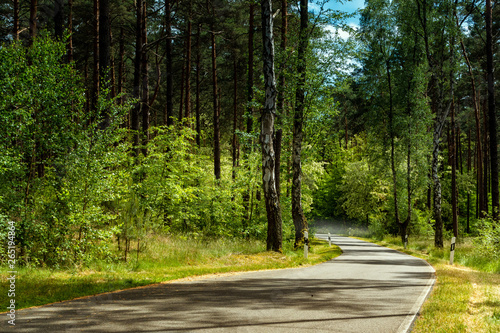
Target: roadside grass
164,259
464,299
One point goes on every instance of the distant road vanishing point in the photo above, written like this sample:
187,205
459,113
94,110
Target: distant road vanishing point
368,288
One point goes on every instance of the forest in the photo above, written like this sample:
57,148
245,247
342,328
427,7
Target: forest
241,119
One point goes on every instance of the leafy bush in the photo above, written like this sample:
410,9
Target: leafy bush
489,238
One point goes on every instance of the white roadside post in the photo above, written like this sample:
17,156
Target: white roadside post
329,239
306,243
452,250
406,241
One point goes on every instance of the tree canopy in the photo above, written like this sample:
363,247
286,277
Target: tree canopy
122,119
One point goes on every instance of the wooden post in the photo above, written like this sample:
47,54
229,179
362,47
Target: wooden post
452,250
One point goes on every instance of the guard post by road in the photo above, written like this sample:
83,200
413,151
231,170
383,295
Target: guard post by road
306,244
452,250
329,239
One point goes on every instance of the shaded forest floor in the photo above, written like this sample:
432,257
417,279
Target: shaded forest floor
165,259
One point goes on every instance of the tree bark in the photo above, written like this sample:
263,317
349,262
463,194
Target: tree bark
188,67
198,86
404,226
454,191
15,27
58,19
281,95
70,31
249,110
299,220
136,110
216,118
33,20
181,100
145,80
250,68
104,54
121,65
104,42
479,169
436,87
169,105
491,111
468,171
393,157
485,208
235,117
273,209
95,77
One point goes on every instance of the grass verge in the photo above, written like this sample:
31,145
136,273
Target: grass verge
165,259
464,299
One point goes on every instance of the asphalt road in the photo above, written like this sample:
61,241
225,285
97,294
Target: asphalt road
367,289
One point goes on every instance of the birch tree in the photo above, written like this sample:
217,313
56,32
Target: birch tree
273,209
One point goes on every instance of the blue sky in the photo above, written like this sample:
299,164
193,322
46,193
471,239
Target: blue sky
347,6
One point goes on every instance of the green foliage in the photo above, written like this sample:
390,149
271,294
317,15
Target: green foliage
489,238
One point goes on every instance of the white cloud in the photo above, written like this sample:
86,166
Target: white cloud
344,34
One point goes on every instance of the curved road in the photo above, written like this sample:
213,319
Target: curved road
367,289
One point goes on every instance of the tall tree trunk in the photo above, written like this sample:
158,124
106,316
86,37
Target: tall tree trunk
404,226
198,86
112,75
393,148
145,80
15,27
215,98
468,171
495,195
479,169
33,20
346,133
454,191
284,32
249,109
95,77
136,110
235,117
121,65
59,19
273,209
104,54
454,157
181,100
188,66
438,238
436,87
169,105
485,207
281,95
104,42
70,31
251,30
299,220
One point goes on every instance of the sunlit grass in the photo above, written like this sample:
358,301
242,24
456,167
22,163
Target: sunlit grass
164,259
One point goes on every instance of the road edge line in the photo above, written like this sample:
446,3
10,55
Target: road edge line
407,325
